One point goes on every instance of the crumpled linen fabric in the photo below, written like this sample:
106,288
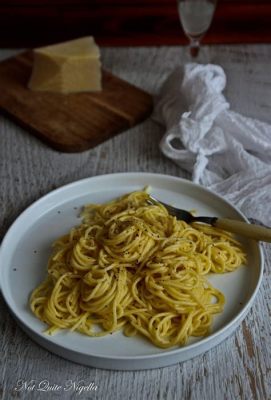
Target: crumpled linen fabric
223,150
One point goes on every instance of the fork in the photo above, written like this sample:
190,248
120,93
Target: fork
252,231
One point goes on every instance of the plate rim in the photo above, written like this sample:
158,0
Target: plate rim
168,352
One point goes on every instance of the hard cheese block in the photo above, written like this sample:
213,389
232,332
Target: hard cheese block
75,121
68,67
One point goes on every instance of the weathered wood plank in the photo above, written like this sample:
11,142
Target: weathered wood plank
240,367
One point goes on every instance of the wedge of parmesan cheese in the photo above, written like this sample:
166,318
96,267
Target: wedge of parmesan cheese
68,67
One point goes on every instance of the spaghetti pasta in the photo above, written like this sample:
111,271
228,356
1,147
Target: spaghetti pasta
132,266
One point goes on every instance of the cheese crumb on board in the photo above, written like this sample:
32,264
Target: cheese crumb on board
68,67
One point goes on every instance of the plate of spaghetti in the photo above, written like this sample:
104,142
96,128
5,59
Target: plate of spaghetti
96,274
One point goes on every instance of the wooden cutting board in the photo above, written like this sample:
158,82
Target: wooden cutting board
70,122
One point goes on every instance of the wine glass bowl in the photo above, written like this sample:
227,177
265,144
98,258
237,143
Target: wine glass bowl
196,17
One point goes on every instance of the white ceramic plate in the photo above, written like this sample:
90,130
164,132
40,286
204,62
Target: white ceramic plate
27,245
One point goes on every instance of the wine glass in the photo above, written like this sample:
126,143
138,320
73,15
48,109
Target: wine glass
196,17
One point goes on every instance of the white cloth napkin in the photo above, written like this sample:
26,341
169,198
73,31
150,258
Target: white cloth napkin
223,150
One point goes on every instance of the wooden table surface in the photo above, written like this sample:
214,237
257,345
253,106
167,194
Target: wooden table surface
240,367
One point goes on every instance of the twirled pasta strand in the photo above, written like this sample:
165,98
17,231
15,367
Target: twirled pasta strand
132,266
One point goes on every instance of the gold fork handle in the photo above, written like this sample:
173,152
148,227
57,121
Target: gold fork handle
242,228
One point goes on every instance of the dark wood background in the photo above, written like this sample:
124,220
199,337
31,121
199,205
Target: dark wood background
29,23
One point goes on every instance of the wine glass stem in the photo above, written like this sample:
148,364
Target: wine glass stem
194,47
